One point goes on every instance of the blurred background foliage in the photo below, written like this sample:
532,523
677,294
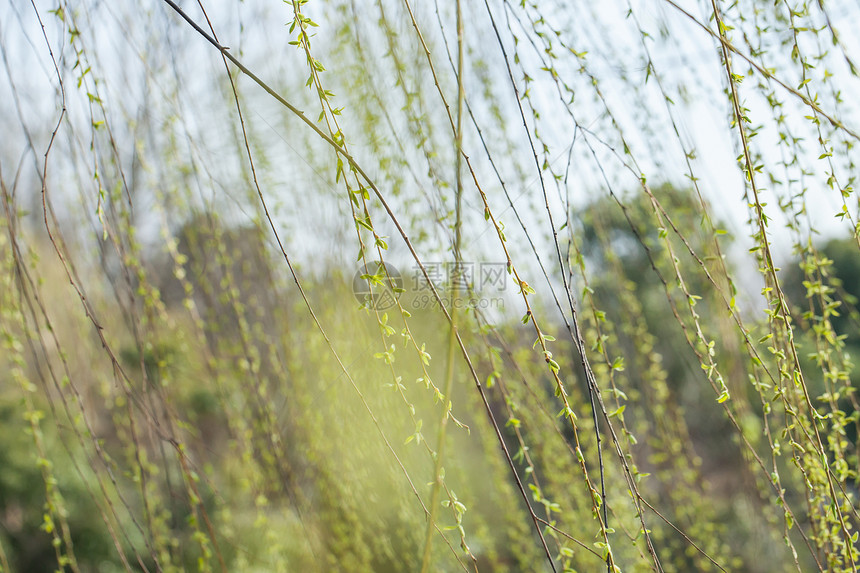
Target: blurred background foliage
656,374
284,460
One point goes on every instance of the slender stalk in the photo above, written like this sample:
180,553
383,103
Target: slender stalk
452,289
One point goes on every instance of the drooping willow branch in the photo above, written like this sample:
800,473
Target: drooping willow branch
354,164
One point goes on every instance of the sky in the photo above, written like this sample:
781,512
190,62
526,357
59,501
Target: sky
163,88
